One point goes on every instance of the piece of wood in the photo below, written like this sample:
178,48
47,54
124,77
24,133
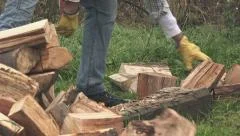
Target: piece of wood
191,102
169,123
10,128
71,95
58,109
227,90
16,85
6,104
21,59
231,84
37,40
132,70
45,102
45,80
233,76
101,132
84,105
24,59
28,113
53,58
33,34
148,83
51,93
126,83
126,79
54,41
28,29
87,122
121,81
222,80
49,96
45,99
205,75
133,86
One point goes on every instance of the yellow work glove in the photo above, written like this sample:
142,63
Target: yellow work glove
68,24
190,52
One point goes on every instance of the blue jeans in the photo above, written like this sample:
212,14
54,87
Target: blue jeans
17,13
99,23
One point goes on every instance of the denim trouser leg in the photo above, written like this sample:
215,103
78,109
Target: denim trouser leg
17,13
97,33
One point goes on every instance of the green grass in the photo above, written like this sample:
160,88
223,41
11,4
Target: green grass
135,45
224,120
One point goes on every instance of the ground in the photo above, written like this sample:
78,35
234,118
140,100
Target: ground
146,44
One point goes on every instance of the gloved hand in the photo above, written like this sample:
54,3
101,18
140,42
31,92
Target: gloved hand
69,16
68,24
190,52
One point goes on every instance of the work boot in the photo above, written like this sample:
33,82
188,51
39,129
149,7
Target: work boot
106,98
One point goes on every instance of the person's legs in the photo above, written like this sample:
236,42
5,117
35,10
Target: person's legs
99,24
17,13
98,28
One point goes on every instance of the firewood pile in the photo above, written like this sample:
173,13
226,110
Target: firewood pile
83,117
30,57
146,79
156,89
33,55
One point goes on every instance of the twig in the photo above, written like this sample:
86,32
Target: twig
134,5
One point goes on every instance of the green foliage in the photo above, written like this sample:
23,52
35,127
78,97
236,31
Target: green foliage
223,120
188,12
143,44
47,9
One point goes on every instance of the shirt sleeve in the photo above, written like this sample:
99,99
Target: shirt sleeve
161,14
169,24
